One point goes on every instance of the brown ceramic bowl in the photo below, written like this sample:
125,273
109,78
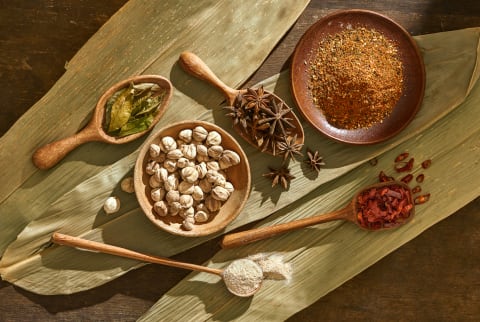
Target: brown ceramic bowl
414,76
238,175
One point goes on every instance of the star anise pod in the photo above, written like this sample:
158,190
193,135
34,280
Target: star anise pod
289,147
237,112
256,99
314,160
275,116
280,176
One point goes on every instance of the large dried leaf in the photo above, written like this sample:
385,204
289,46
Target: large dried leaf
144,37
77,211
325,256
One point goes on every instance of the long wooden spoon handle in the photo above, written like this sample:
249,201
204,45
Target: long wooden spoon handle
72,241
252,235
192,64
50,154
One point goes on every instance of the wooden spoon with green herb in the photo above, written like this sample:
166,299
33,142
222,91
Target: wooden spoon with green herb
126,111
260,117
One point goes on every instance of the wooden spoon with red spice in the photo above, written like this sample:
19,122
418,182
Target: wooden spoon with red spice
192,64
380,206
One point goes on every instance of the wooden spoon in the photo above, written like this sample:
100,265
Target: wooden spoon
230,275
49,155
348,213
196,67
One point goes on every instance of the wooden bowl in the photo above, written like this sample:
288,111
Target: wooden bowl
414,76
239,175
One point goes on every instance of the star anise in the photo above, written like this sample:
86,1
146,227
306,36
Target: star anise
237,112
280,176
314,160
275,116
289,147
256,99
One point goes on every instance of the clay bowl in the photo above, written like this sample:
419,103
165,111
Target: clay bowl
414,76
238,175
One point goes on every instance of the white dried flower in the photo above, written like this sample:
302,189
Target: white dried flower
153,182
174,208
213,165
211,176
111,205
213,138
189,151
170,165
202,150
154,150
174,154
168,144
201,169
171,183
160,158
199,133
161,174
188,223
187,212
186,187
151,167
186,201
183,162
220,193
212,204
215,151
229,186
197,193
201,207
228,158
160,208
185,135
157,194
201,216
220,181
189,174
127,185
205,185
172,196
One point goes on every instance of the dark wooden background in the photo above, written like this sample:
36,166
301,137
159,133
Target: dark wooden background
435,277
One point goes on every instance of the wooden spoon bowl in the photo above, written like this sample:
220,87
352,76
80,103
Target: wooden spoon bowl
348,213
238,175
192,64
49,155
413,70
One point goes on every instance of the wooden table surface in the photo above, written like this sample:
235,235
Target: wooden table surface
435,277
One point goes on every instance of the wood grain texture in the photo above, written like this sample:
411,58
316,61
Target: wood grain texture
435,277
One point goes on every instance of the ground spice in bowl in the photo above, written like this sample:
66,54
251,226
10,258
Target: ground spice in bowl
356,77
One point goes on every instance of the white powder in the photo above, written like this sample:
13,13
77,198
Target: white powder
273,266
243,277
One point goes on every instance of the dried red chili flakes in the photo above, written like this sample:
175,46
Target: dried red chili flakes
426,164
420,178
421,199
416,189
384,207
382,177
404,166
407,178
402,156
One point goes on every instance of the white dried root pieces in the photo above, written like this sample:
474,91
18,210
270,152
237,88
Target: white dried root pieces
188,175
127,185
111,205
273,266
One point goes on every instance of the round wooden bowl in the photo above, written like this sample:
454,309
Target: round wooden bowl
239,175
413,83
